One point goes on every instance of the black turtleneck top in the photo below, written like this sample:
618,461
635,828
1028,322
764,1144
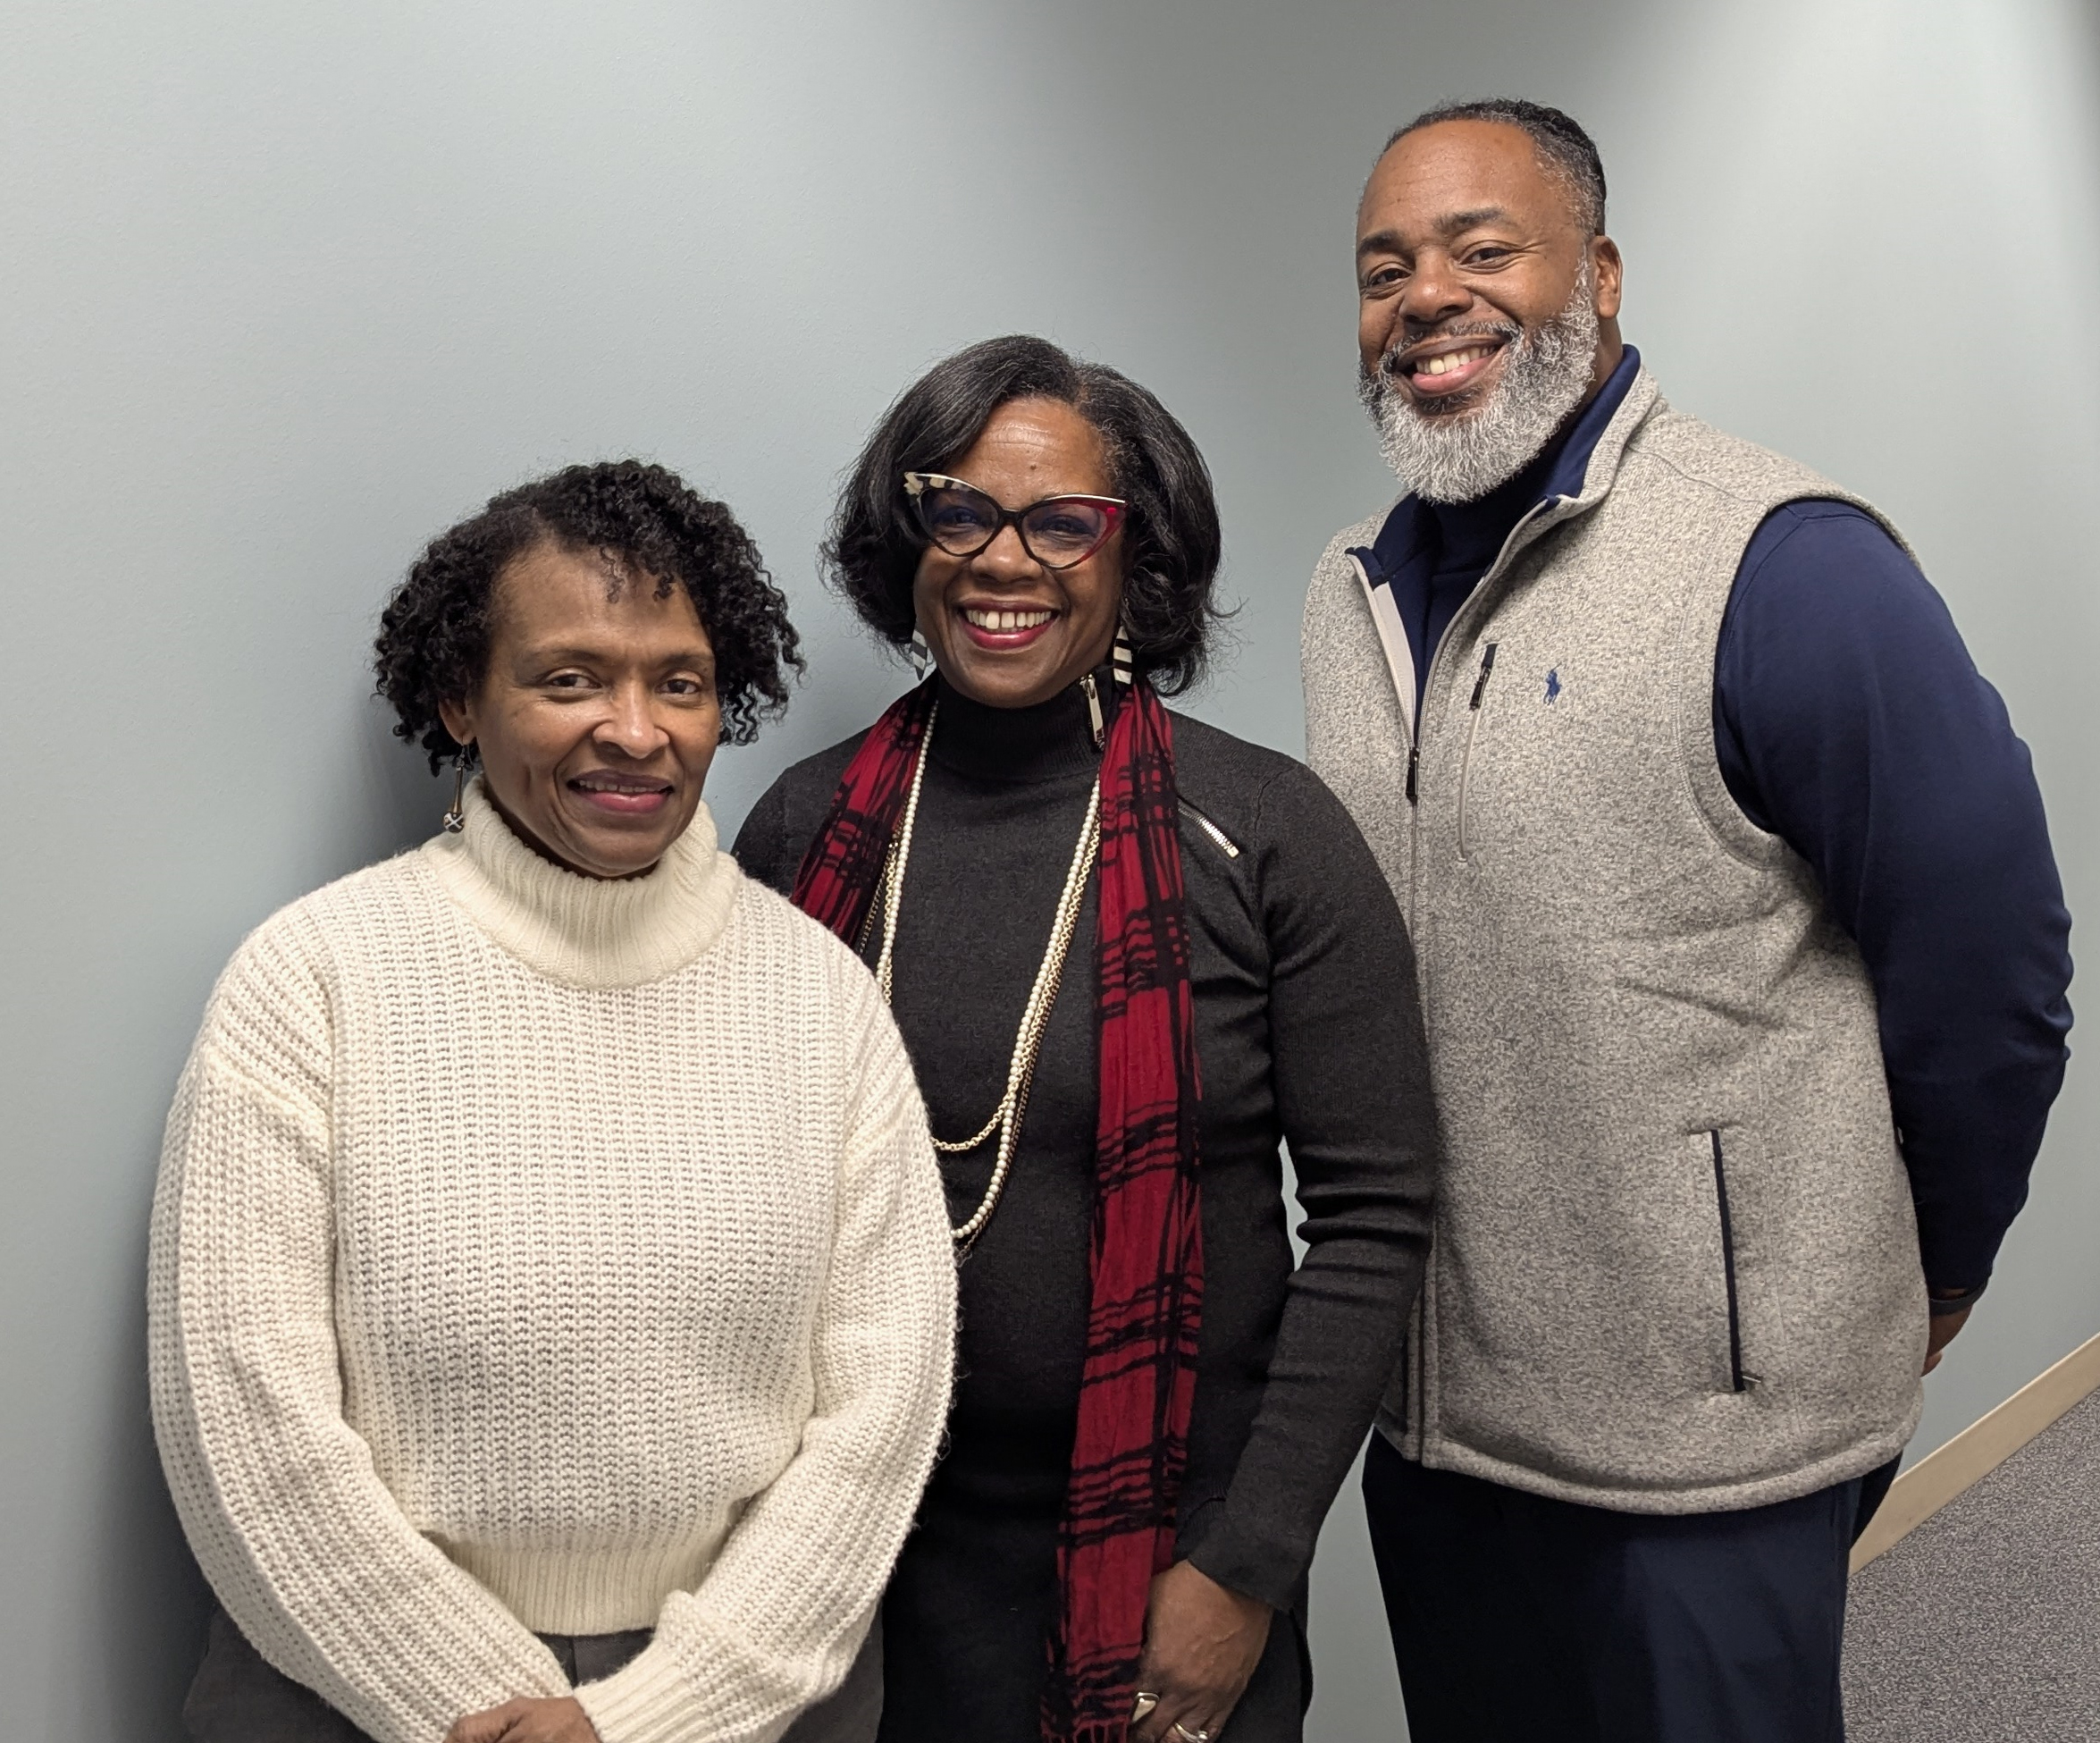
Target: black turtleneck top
1307,1034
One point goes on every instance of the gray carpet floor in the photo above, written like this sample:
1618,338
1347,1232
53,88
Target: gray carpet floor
1983,1625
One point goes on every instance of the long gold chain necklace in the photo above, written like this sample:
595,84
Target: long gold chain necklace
1035,1016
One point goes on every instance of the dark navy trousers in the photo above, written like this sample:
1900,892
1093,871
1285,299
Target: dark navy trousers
1517,1619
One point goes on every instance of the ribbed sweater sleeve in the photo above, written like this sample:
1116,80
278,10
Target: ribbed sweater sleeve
1353,1098
306,1548
776,1622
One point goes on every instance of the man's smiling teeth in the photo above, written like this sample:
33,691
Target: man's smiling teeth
997,621
1450,361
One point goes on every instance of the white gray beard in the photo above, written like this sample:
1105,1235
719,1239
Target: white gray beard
1460,455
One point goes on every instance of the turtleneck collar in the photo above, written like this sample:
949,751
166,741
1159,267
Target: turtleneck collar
1050,741
587,931
1472,534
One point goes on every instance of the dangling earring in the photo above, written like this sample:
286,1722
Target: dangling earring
455,818
1120,655
921,654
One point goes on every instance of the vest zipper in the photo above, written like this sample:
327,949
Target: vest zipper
1418,1318
1226,845
1479,686
1092,692
1736,1376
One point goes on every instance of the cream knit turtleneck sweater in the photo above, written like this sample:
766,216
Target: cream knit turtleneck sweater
539,1254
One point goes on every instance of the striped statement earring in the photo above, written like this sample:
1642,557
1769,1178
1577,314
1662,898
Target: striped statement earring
921,654
1120,655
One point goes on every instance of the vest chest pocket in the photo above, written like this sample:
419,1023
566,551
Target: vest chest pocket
1551,770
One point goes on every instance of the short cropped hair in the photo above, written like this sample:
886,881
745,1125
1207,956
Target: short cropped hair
1172,541
435,634
1565,149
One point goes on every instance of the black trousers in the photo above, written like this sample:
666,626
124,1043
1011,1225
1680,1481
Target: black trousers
965,1624
239,1698
1517,1619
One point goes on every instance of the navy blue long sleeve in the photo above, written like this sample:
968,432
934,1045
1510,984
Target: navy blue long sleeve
1851,722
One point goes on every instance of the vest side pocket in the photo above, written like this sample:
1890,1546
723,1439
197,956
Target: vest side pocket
1737,1377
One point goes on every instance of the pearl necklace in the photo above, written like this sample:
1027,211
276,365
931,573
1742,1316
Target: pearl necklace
1035,1015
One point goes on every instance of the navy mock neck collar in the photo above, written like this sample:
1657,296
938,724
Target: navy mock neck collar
1431,555
1461,536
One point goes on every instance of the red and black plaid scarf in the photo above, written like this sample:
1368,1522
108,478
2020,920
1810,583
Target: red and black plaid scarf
1147,1255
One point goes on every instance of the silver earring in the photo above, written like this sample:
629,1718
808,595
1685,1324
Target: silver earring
921,654
455,818
1120,655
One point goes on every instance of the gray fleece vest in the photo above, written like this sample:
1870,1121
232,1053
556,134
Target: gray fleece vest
1675,1265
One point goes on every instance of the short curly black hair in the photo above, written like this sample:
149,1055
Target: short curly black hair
435,634
1171,542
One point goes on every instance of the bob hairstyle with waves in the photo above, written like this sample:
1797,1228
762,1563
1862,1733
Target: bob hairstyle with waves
434,635
1171,542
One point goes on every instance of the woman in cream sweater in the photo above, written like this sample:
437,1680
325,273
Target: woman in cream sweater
551,1294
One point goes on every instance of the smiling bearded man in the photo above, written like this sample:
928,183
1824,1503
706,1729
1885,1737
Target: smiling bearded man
1724,869
1459,446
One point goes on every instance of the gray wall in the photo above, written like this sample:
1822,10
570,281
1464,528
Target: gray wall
285,288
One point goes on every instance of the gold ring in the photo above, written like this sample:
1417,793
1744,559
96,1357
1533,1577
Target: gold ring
1141,1708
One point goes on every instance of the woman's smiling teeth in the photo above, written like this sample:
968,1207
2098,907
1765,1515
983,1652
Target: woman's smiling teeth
603,780
621,792
979,619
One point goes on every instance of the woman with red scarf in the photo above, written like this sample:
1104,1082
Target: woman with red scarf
1132,956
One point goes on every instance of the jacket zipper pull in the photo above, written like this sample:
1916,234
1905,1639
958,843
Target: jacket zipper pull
1487,665
1414,762
1094,710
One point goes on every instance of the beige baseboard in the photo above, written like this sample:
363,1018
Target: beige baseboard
1979,1448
